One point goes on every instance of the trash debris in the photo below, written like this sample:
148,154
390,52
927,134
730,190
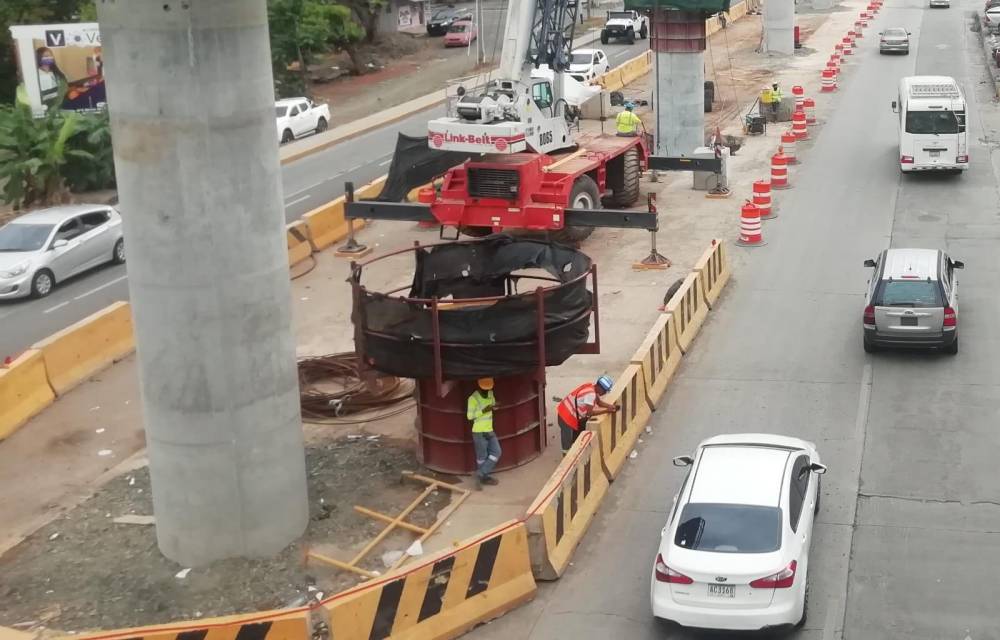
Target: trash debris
354,436
311,588
633,455
649,429
304,299
183,573
54,536
95,408
145,520
640,440
198,614
415,549
390,558
101,430
105,452
131,481
373,438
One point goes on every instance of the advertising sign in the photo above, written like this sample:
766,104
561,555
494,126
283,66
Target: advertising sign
60,54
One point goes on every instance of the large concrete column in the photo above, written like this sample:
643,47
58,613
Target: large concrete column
192,113
678,40
779,27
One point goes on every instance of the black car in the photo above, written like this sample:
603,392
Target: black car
443,18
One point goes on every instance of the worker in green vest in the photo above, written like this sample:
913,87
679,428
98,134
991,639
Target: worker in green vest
775,100
627,123
479,411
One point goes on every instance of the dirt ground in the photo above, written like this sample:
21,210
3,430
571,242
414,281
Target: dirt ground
83,571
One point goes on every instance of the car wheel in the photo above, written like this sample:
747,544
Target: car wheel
869,347
321,125
952,349
41,284
286,136
604,37
585,195
630,36
118,253
643,32
805,608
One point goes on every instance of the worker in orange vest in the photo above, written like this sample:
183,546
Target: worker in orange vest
580,405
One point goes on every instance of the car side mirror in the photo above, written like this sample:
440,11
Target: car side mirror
817,468
895,109
683,461
957,264
60,243
870,263
908,33
881,33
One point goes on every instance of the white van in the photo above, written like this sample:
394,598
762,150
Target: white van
932,134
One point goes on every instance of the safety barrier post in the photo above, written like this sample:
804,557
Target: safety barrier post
280,624
659,355
24,391
619,431
713,266
689,308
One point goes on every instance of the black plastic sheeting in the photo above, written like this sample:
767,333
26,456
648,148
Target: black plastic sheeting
415,164
492,339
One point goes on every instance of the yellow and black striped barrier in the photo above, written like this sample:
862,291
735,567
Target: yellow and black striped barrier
689,310
286,624
659,355
713,267
619,431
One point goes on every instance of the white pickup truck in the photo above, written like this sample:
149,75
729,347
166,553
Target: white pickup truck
297,117
625,24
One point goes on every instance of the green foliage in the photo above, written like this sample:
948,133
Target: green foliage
96,170
300,30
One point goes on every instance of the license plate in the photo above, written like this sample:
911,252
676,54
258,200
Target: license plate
908,321
935,154
722,590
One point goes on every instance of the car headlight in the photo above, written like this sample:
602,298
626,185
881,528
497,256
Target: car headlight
14,271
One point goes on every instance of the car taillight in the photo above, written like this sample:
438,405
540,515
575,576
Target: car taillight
962,159
869,315
906,159
781,580
666,574
950,317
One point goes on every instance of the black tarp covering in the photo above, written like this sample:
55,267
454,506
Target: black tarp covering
492,339
415,164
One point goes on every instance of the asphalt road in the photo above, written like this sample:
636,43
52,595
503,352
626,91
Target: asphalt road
306,184
906,544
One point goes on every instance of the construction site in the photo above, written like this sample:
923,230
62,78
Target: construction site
592,255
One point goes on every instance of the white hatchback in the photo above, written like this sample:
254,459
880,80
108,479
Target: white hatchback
734,553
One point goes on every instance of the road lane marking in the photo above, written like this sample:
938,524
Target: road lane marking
382,164
298,200
96,289
57,307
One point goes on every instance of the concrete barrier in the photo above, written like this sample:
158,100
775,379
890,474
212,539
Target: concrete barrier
736,11
560,515
659,355
327,224
619,431
442,597
24,391
299,244
689,309
288,624
82,349
713,266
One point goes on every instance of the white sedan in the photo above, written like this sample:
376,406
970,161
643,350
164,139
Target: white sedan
587,64
734,553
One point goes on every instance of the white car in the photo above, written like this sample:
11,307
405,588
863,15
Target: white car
587,64
625,24
734,553
991,19
297,117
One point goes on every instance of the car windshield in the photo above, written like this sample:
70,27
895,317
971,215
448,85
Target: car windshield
458,28
280,111
20,236
444,14
729,528
937,121
908,293
894,33
581,58
619,15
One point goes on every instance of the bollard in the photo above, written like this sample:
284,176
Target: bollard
762,199
858,33
779,171
799,127
799,93
848,43
828,80
750,227
809,105
788,146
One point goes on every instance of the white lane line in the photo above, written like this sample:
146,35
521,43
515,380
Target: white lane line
289,203
96,289
382,164
57,307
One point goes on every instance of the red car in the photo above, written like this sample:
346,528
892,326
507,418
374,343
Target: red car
461,34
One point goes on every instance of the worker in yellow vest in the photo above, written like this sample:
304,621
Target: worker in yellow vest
479,411
776,100
627,123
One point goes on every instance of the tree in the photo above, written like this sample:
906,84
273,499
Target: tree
302,29
368,13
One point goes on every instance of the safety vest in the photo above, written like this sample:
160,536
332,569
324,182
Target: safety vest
577,405
776,95
480,411
626,122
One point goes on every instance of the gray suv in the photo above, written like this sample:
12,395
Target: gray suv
912,300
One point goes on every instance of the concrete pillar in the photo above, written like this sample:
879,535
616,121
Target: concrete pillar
678,40
779,27
192,113
822,4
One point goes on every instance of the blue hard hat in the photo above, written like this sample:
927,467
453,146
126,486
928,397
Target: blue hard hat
604,384
630,105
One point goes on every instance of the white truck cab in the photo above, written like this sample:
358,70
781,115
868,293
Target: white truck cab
625,25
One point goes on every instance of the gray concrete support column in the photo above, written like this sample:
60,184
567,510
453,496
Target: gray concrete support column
678,42
779,27
192,112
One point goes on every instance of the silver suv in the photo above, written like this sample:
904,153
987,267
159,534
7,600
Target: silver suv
912,300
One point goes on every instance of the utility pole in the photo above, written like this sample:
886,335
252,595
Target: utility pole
192,113
481,29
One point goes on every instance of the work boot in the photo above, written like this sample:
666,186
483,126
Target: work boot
490,480
479,482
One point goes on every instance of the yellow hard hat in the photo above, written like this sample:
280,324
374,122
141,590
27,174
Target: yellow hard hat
485,383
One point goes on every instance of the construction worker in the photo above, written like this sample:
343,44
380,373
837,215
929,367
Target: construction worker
480,412
627,123
775,100
766,98
580,405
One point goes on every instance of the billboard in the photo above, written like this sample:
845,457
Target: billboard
51,55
